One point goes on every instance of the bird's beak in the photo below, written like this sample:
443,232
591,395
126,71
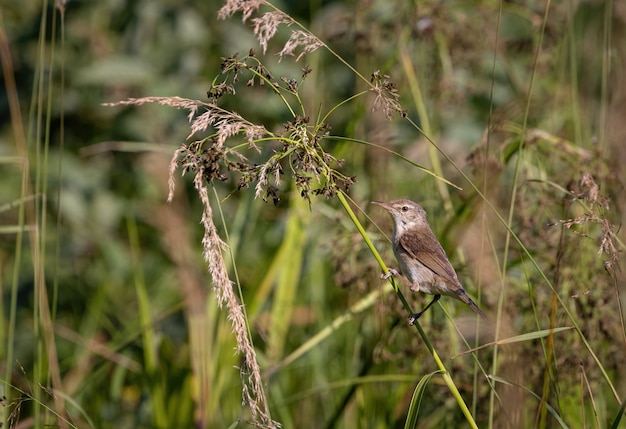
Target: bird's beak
382,204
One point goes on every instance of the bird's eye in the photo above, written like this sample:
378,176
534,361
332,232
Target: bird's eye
405,208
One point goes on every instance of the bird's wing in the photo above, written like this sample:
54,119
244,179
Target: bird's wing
429,252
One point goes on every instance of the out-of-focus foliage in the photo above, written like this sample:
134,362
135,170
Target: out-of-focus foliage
139,337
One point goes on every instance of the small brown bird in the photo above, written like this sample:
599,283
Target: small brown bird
420,255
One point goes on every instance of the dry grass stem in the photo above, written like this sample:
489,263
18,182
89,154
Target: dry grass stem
226,124
171,182
177,102
213,246
246,7
307,41
265,27
589,191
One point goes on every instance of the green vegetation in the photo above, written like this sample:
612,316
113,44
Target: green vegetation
248,292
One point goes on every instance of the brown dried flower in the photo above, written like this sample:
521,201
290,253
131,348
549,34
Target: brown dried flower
387,95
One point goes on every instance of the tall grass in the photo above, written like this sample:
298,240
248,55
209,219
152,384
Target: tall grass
259,280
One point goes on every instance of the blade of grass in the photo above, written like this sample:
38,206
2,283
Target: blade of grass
529,336
416,400
594,407
420,106
291,259
618,417
399,155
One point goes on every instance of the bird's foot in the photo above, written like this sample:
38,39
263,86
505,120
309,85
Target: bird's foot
414,318
392,272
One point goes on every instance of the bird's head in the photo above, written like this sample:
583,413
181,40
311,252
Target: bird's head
406,214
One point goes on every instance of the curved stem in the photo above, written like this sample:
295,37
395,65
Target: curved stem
444,372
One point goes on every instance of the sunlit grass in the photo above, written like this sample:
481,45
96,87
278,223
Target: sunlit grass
112,318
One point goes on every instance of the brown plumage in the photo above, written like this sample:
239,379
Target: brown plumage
420,255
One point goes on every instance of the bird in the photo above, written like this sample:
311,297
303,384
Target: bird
420,256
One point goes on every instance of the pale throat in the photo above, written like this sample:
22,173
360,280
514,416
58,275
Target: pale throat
401,226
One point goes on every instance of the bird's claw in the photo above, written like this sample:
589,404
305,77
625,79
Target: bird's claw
390,273
414,318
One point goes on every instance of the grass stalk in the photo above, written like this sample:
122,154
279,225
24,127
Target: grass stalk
512,205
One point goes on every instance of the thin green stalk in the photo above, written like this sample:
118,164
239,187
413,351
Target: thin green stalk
533,262
22,159
420,106
512,205
444,372
573,78
11,328
36,113
240,295
483,212
606,71
151,360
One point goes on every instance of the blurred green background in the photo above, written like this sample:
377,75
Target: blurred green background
519,100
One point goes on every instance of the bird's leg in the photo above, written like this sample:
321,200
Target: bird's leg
416,316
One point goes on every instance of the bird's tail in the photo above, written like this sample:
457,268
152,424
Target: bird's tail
466,299
474,307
